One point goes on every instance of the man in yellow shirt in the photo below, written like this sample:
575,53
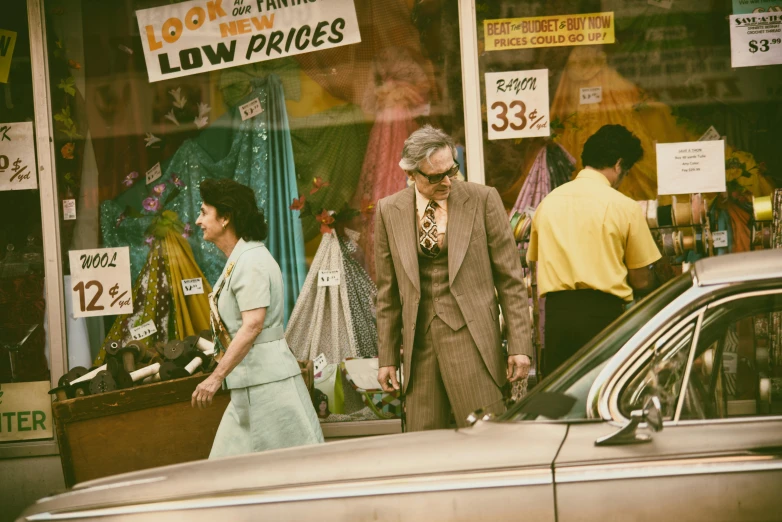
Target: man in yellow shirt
592,247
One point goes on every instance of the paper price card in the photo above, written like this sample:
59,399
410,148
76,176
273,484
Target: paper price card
143,331
517,104
720,238
548,31
691,167
589,95
250,109
17,157
328,277
100,282
154,173
756,39
193,286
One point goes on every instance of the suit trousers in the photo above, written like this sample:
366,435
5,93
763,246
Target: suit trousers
573,318
447,373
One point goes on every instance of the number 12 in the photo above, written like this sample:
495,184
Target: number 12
92,307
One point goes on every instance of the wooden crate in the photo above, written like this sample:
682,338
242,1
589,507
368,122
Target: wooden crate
134,429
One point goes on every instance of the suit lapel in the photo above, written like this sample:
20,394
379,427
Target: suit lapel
405,229
461,214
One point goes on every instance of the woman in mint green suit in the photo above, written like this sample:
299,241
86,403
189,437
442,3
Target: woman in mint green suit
270,407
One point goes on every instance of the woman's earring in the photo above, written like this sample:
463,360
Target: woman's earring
224,225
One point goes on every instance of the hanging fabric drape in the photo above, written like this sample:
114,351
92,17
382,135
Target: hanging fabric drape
553,166
256,152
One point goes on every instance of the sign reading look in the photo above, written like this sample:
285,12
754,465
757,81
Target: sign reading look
100,282
205,35
17,157
548,31
517,104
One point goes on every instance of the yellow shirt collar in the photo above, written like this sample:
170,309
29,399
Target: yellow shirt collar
594,175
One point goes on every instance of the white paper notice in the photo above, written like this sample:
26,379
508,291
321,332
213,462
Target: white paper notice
328,277
720,238
250,109
17,157
710,135
143,331
154,173
193,286
690,167
517,104
756,39
68,209
589,95
319,363
100,282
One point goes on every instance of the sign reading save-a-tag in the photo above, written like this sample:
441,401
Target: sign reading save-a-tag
100,282
517,104
143,331
193,286
328,277
250,109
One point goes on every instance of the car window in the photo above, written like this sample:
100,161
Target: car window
737,369
576,376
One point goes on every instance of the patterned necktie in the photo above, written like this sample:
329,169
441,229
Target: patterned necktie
428,238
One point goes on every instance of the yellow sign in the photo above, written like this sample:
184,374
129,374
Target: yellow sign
548,31
25,411
7,43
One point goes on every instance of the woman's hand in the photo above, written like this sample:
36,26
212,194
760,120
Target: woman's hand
202,396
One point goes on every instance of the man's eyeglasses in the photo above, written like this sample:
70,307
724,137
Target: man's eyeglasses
434,179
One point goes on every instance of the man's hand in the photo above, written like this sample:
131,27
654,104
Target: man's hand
386,376
518,367
202,396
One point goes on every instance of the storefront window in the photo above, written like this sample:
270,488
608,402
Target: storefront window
25,411
308,103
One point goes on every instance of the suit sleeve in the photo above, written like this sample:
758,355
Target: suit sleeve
389,309
508,279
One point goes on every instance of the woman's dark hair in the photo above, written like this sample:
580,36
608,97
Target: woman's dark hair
236,202
610,144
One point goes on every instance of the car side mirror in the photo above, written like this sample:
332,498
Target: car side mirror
651,414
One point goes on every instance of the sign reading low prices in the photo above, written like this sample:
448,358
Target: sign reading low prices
25,411
17,157
100,282
548,31
205,35
756,39
517,104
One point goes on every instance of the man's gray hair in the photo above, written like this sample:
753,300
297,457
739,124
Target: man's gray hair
421,144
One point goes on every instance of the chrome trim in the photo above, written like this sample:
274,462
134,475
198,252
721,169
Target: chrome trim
667,468
736,297
103,487
688,369
391,486
730,420
739,268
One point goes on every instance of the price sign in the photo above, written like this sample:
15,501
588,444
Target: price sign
250,109
710,135
100,282
154,173
720,238
69,209
193,286
517,104
756,39
328,277
590,95
143,331
690,167
17,157
319,363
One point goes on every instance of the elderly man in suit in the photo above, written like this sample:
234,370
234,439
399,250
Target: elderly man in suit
442,247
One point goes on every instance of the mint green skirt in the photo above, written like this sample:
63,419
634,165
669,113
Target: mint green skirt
266,417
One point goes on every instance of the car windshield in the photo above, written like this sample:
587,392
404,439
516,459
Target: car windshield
576,376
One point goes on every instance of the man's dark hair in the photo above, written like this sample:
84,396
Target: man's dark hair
236,201
610,144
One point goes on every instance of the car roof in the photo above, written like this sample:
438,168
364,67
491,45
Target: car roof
735,268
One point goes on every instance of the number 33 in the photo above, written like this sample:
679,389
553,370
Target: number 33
503,115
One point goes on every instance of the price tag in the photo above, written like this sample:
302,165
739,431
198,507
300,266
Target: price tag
100,282
250,109
193,286
756,39
690,167
154,173
142,332
517,104
69,209
720,238
319,363
710,135
328,277
590,95
17,157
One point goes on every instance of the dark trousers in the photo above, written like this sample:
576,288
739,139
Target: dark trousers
573,318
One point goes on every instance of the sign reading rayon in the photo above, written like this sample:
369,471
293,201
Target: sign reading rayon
205,35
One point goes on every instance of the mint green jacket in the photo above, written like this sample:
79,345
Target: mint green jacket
252,279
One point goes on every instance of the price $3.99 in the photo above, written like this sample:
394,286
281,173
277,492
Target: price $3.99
763,45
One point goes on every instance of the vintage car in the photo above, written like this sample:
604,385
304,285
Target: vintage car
673,412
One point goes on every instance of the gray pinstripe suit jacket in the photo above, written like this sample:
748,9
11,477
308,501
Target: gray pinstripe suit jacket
482,256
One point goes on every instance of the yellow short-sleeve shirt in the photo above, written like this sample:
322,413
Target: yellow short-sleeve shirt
586,235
